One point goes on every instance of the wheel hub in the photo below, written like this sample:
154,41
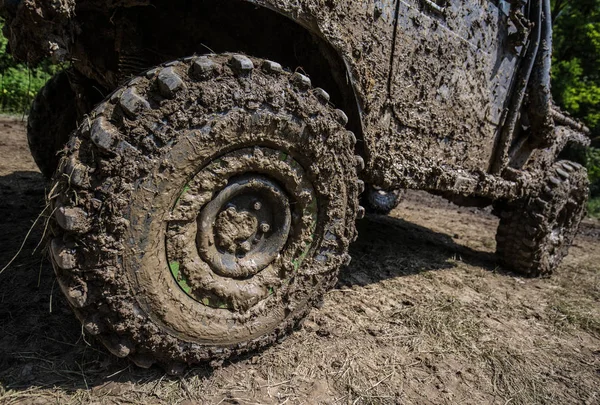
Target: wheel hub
241,227
241,231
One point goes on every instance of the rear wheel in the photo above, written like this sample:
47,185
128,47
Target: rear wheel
203,209
53,116
534,235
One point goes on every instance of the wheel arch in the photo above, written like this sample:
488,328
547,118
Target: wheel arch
211,26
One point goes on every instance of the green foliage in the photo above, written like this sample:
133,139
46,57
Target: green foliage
593,166
576,64
576,75
594,207
18,83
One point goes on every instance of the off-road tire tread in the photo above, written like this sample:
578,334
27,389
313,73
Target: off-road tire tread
94,295
524,228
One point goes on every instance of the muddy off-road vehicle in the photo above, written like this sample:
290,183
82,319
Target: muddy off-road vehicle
207,157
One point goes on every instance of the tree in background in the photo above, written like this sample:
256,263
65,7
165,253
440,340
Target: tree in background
576,59
576,73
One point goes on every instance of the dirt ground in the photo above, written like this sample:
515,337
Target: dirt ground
423,315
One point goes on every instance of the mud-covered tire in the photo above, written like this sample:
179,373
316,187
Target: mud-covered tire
378,201
145,203
534,235
52,117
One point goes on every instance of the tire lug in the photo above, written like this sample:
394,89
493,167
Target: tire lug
203,67
568,166
132,103
341,117
303,82
62,256
562,173
361,187
352,138
93,325
169,82
76,173
322,95
72,219
272,67
75,293
246,246
241,64
360,163
118,347
141,360
103,134
555,182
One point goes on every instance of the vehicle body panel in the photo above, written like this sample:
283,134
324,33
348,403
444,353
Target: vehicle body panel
431,81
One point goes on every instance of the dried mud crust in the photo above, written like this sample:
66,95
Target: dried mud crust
535,235
129,194
53,116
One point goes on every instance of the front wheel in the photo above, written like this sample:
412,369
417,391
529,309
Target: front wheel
203,209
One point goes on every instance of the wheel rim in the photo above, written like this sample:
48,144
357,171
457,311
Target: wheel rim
240,228
144,169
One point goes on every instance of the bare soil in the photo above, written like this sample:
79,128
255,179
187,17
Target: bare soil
423,315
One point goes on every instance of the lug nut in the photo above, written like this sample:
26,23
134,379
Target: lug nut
264,227
257,206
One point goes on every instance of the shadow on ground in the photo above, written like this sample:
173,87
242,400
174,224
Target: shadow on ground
41,342
390,247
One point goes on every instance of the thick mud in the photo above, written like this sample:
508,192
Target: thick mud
423,315
535,236
426,88
152,178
